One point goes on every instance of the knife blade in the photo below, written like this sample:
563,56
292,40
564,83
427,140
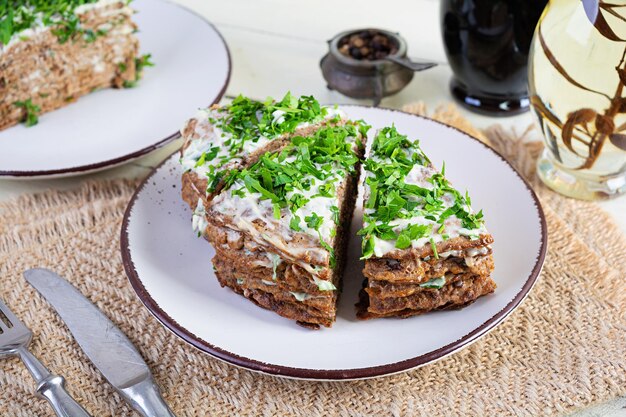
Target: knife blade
104,343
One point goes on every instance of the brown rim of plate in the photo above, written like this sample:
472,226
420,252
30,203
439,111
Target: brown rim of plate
333,374
98,166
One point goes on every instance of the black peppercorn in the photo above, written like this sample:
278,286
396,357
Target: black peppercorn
367,45
355,53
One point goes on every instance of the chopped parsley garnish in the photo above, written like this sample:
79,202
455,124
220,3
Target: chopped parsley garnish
314,221
140,63
248,121
433,245
284,176
208,156
335,211
289,179
19,15
411,233
391,198
31,111
294,223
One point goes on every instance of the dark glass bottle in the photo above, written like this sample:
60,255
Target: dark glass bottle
487,44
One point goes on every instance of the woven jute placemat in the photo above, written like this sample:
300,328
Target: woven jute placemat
563,349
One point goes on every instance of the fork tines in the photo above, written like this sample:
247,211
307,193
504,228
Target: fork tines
7,318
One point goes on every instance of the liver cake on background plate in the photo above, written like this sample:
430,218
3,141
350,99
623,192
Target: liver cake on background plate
424,247
53,52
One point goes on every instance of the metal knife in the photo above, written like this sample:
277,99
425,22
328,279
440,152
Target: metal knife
106,346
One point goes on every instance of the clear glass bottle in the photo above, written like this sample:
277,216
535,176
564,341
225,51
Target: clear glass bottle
577,77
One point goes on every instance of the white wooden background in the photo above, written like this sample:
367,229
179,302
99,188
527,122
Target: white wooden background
276,46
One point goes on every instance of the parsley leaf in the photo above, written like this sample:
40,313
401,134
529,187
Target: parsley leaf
403,242
433,245
368,248
314,221
141,62
31,111
294,223
335,211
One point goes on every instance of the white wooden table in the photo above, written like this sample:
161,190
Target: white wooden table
276,46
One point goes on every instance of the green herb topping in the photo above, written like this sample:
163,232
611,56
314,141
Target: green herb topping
247,119
31,112
140,63
19,15
405,209
300,181
245,125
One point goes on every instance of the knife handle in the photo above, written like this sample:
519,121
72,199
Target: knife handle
51,387
146,399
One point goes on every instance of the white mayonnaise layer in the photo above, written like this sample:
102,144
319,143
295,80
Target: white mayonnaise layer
471,252
198,219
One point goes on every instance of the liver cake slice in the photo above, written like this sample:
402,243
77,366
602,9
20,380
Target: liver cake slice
48,64
276,210
424,247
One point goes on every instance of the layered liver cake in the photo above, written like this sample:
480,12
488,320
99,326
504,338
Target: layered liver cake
51,53
273,187
424,247
273,184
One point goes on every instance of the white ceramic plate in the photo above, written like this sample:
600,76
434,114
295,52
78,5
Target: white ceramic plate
113,126
170,269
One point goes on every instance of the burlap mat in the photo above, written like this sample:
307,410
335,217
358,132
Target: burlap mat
563,349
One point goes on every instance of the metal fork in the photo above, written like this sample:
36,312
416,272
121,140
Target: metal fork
14,340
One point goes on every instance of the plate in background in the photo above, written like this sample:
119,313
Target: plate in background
113,126
170,269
